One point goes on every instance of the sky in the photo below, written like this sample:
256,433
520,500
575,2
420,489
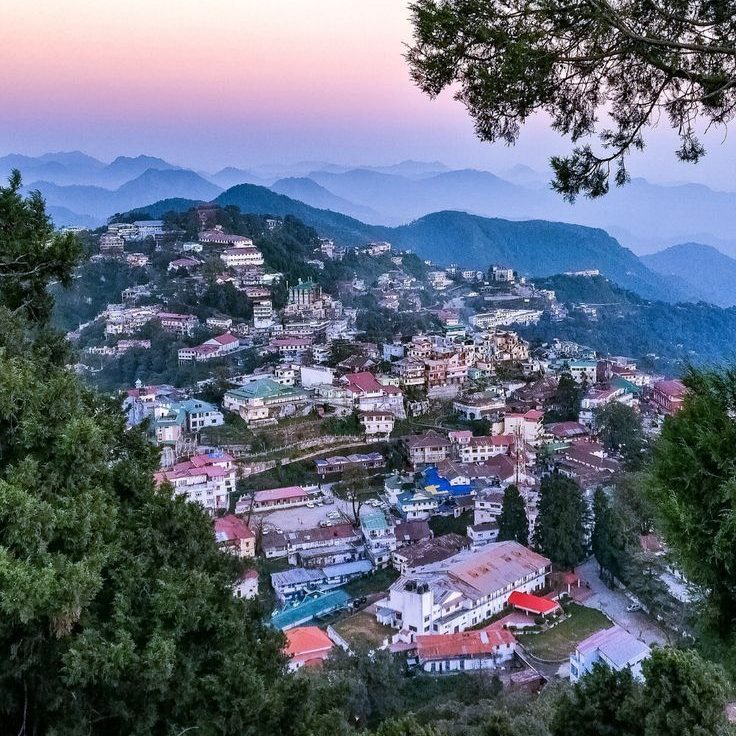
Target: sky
253,82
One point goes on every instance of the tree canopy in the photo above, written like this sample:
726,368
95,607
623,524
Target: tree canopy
560,532
635,61
692,485
512,522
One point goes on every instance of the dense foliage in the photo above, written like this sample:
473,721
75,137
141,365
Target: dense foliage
512,522
692,487
560,531
638,61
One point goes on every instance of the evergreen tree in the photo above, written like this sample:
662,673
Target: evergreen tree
683,695
565,403
619,428
602,703
512,522
117,613
560,532
691,484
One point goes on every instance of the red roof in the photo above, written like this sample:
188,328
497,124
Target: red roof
277,494
226,339
462,644
231,528
305,643
532,603
672,388
365,382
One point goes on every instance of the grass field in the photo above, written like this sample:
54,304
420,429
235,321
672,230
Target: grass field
362,626
558,642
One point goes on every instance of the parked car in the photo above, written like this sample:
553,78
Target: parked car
310,504
633,607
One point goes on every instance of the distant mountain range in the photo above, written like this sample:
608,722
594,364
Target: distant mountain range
643,216
534,248
703,267
98,203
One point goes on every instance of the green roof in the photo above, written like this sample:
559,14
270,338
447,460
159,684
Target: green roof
264,388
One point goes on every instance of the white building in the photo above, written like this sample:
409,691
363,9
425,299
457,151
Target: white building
613,647
241,256
204,479
460,593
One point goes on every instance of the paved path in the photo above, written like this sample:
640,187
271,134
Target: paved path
614,602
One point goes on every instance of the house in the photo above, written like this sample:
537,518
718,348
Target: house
246,586
482,534
306,646
528,426
215,347
234,535
264,399
204,479
427,449
171,419
596,398
377,423
668,396
411,532
480,405
457,594
370,395
378,532
614,648
416,505
180,324
463,651
567,430
272,499
429,552
186,263
240,256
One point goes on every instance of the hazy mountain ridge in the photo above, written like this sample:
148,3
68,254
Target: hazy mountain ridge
641,215
703,266
535,248
98,203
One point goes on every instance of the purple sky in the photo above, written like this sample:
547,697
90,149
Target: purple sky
246,82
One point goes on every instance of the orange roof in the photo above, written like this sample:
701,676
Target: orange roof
462,644
307,642
532,603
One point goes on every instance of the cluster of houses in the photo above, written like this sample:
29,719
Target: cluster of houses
448,586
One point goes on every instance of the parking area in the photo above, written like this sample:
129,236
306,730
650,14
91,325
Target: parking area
303,517
614,604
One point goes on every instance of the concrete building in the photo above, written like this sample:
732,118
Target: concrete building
614,648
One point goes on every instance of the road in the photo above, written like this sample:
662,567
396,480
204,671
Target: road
613,603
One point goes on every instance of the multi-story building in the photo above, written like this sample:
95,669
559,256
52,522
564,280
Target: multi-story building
377,423
204,479
429,448
215,347
264,399
528,426
463,592
180,324
263,314
669,395
378,532
242,256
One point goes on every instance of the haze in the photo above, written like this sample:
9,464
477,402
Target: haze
249,83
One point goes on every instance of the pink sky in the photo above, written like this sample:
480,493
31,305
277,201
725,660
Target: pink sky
239,82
